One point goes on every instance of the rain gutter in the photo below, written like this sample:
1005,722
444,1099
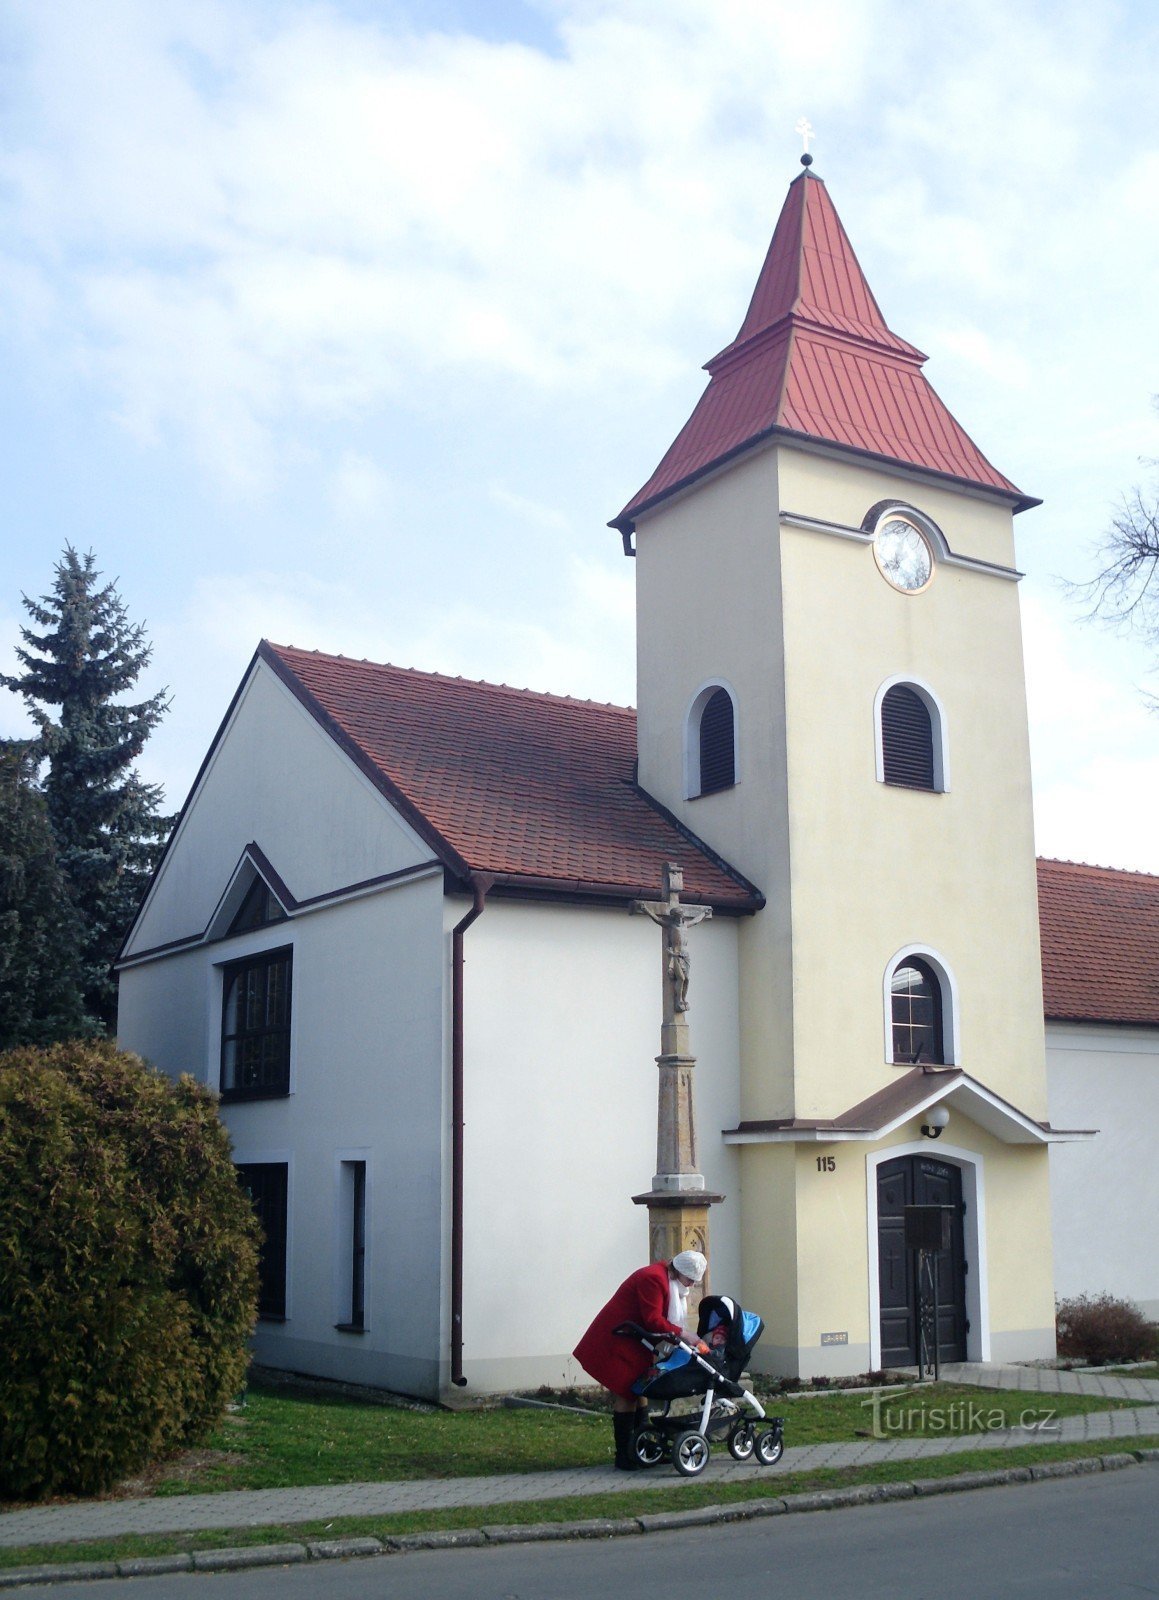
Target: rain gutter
480,884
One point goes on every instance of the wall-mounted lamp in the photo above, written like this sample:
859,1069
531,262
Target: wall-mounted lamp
935,1121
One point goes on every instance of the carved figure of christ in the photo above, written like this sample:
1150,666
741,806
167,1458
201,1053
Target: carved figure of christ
674,919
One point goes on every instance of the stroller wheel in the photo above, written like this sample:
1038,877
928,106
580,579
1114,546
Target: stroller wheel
770,1446
690,1453
741,1441
650,1447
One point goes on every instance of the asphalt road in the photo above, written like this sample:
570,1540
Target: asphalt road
1089,1538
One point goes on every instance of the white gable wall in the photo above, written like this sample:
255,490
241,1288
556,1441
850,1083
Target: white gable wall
278,779
1105,1192
367,1034
366,1084
562,1027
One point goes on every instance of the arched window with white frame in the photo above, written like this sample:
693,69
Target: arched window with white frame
911,742
710,741
921,1010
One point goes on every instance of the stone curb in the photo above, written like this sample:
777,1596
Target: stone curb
251,1555
59,1572
972,1480
279,1555
440,1539
534,1532
338,1549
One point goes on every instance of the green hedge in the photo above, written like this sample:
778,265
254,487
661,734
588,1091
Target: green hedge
128,1268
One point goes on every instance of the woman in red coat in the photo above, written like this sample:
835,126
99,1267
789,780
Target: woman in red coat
656,1299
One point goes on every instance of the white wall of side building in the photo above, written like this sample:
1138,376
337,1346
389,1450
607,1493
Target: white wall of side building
366,1084
367,1077
1105,1191
562,1023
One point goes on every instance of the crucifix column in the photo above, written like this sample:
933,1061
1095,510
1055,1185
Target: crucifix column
677,1201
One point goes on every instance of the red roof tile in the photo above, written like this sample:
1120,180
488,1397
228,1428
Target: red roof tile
815,359
536,788
1100,944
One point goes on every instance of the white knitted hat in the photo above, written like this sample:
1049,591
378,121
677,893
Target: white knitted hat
690,1264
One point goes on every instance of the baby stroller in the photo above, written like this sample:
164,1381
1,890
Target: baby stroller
680,1372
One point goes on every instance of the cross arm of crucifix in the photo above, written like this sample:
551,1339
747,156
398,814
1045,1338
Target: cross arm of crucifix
671,916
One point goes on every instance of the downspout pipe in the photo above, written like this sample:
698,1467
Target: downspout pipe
480,884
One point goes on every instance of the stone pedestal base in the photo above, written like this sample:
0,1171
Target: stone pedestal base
678,1222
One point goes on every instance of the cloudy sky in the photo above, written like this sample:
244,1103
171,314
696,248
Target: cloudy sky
351,324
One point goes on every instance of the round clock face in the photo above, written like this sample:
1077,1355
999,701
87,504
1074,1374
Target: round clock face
903,555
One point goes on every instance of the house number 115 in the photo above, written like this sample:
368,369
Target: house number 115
826,1163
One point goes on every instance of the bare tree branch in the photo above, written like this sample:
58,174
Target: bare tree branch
1125,591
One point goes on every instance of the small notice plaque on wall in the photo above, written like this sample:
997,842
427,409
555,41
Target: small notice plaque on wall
834,1338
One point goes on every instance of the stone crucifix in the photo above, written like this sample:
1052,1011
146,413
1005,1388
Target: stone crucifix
676,1169
674,919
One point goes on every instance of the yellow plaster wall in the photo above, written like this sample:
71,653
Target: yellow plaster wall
817,485
876,868
805,630
769,1246
1019,1241
835,1254
709,607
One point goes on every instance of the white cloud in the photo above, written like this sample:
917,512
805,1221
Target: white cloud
251,224
368,294
208,645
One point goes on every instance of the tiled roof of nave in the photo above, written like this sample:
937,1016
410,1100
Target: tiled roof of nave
1100,943
527,785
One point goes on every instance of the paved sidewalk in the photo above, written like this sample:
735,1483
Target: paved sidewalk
260,1507
1048,1380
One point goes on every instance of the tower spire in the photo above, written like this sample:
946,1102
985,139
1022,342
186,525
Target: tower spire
814,359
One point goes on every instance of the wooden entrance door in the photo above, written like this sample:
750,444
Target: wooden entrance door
918,1181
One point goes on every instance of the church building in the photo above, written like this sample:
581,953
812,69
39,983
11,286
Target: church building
393,924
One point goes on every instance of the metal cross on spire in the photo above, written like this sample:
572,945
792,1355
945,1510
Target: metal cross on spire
805,128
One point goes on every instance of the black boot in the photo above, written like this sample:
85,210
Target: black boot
624,1424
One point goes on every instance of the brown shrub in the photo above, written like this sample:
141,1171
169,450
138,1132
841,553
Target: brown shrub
1102,1330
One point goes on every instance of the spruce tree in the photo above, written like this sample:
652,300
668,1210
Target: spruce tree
104,817
40,1000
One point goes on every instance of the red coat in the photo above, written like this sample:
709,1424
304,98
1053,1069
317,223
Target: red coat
615,1360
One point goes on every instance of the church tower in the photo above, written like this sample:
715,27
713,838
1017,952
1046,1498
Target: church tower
831,694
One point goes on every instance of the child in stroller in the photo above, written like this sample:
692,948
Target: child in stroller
680,1371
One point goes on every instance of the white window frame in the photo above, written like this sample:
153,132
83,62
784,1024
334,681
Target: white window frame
248,947
939,732
951,1043
700,699
343,1274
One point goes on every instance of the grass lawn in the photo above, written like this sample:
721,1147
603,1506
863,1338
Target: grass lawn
285,1438
668,1495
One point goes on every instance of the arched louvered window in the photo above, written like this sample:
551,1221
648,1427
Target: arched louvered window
907,739
717,743
916,1013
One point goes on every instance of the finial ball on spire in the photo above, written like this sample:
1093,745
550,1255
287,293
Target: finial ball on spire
806,160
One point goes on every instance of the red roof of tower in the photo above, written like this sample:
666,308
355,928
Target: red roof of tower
815,359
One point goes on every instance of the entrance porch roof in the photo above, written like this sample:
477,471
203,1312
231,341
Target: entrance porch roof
919,1090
